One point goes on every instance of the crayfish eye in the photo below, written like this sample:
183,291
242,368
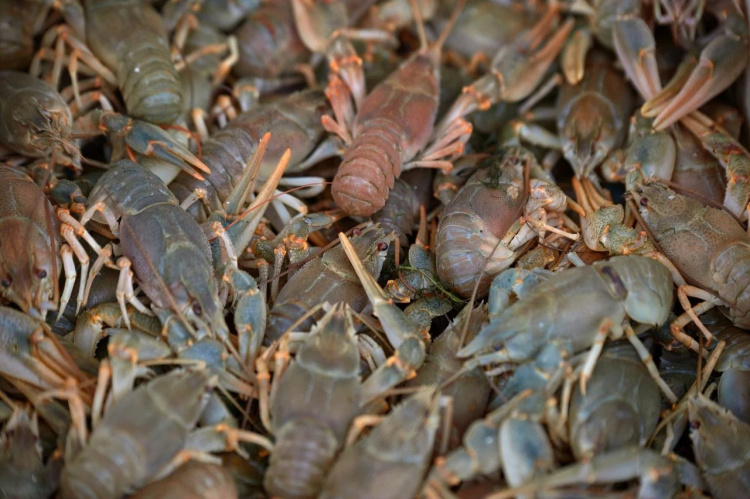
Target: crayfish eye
197,310
6,282
41,274
643,202
382,246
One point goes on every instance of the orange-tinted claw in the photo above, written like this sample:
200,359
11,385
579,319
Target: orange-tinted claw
720,64
635,47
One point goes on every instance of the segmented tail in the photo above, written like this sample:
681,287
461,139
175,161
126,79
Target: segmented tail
149,82
369,169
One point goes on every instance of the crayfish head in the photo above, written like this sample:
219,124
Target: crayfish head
595,435
662,208
114,122
589,134
47,122
715,432
27,266
204,313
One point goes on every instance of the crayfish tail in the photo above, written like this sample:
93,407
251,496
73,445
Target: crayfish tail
368,171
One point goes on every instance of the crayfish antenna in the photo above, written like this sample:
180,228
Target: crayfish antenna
423,45
449,27
438,45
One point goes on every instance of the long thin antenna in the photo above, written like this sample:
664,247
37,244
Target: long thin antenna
449,27
420,24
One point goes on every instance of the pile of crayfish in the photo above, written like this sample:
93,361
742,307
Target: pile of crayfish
374,248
